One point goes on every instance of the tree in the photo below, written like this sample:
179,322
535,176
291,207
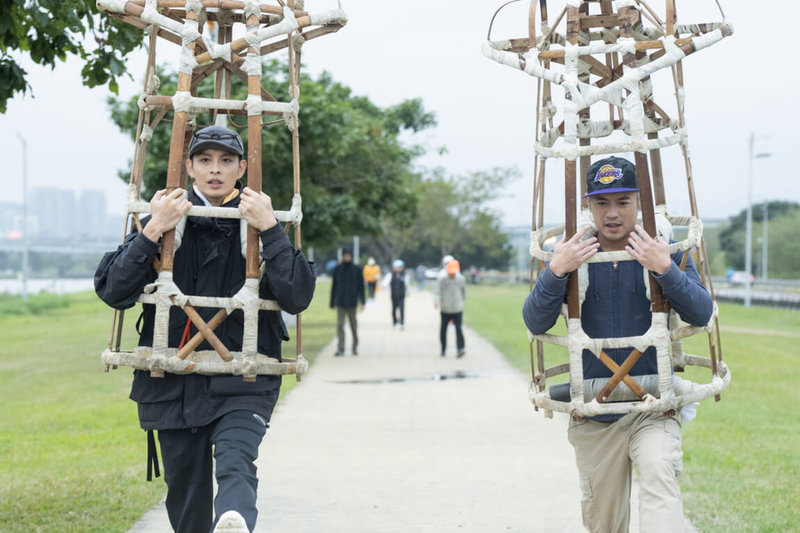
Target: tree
784,255
47,30
453,218
784,246
732,238
356,171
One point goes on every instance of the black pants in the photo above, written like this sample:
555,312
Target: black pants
189,470
398,303
456,318
371,288
350,313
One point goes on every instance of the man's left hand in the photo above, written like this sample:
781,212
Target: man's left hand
257,209
652,254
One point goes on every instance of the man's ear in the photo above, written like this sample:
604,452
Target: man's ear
189,167
242,167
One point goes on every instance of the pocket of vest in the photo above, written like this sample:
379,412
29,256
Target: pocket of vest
153,390
236,386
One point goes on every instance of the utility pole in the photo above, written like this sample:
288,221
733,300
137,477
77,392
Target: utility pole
748,240
24,217
764,236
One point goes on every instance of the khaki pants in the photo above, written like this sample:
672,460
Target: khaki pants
605,454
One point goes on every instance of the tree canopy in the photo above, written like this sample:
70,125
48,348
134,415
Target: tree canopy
46,30
454,218
356,171
783,246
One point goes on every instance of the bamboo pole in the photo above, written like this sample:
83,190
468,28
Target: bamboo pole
629,381
294,93
253,178
240,44
175,169
198,337
629,17
570,190
207,332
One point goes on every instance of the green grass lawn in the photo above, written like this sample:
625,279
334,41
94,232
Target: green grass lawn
72,456
741,455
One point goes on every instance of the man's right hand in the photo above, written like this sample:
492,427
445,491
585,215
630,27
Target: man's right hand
568,255
166,210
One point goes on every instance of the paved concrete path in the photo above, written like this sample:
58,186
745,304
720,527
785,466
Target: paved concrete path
400,439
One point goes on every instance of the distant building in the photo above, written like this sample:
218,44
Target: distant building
92,222
56,211
9,214
520,239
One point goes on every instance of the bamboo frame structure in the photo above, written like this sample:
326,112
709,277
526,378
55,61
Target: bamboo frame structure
267,29
604,54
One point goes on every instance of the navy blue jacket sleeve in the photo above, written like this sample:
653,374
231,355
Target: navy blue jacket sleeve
685,293
288,274
543,304
122,274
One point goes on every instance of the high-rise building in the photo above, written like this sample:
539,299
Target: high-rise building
56,211
91,223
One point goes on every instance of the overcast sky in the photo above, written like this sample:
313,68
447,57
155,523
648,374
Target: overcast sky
390,51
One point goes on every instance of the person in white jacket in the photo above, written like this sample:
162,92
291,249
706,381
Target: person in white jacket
449,295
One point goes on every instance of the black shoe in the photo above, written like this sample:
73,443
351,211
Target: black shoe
461,352
355,352
443,353
337,353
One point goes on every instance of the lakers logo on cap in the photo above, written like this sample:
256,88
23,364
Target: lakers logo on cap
608,174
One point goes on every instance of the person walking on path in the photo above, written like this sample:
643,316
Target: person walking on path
347,290
449,295
608,446
372,274
208,425
397,281
419,273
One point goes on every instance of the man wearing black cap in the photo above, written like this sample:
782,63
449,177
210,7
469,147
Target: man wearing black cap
347,290
616,305
209,425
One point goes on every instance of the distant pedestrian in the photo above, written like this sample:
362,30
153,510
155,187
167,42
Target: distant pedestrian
372,273
419,273
443,270
449,295
397,281
347,291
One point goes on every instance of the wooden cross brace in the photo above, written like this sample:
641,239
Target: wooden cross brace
620,374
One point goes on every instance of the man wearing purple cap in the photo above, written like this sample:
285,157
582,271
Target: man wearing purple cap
616,305
209,425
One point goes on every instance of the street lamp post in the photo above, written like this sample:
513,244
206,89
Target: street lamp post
748,240
764,237
24,217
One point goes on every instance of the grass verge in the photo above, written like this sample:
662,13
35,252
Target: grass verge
741,458
72,456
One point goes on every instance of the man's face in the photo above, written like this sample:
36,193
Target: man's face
615,215
347,257
215,173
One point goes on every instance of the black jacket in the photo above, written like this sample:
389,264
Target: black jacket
348,286
397,284
208,263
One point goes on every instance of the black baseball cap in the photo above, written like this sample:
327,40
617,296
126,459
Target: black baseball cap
216,137
609,175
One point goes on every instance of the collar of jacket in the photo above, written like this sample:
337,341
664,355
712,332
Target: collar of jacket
221,224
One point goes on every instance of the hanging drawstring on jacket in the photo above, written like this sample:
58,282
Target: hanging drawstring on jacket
152,456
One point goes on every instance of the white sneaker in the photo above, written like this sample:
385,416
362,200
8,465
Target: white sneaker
231,522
